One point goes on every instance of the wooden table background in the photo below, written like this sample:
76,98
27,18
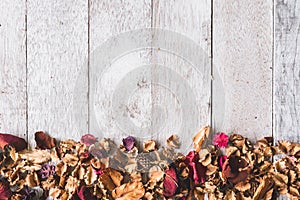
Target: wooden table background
253,43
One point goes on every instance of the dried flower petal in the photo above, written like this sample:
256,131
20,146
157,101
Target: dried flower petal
220,140
46,171
5,192
196,169
44,141
88,139
129,191
170,182
7,139
84,194
235,169
129,143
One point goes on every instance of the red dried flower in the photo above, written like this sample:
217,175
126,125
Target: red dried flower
5,192
220,140
196,169
128,142
170,182
84,194
222,160
235,169
7,139
44,141
88,139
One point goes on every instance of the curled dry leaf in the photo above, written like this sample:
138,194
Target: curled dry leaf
264,190
173,141
111,178
149,145
7,139
199,137
129,191
36,156
44,141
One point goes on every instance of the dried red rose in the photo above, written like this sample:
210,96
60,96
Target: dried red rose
128,142
7,139
196,169
222,160
44,141
5,192
88,139
220,140
84,194
170,182
235,169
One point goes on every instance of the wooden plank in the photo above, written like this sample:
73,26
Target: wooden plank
13,67
57,52
119,98
287,71
181,85
242,54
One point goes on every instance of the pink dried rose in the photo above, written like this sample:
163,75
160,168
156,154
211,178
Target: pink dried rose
235,169
220,140
129,143
196,169
7,139
5,192
88,139
170,182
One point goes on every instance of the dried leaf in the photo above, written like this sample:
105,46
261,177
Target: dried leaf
44,141
129,191
199,137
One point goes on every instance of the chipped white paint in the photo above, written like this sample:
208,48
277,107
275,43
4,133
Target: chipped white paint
13,67
242,52
57,50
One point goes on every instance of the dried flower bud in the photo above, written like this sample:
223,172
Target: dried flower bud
129,143
170,182
88,139
235,169
220,140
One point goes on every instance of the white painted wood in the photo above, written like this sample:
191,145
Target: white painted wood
119,99
287,71
57,53
13,67
242,52
181,90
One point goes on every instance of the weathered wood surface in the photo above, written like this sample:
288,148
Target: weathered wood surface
119,90
57,50
59,35
181,85
13,67
287,71
242,53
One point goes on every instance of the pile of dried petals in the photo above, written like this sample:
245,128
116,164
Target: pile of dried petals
231,168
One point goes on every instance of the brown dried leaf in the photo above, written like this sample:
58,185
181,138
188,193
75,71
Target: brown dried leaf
72,185
36,156
264,190
199,137
44,141
129,191
149,145
173,141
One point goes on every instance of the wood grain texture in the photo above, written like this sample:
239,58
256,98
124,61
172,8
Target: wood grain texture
287,71
57,51
182,91
110,114
13,67
242,54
